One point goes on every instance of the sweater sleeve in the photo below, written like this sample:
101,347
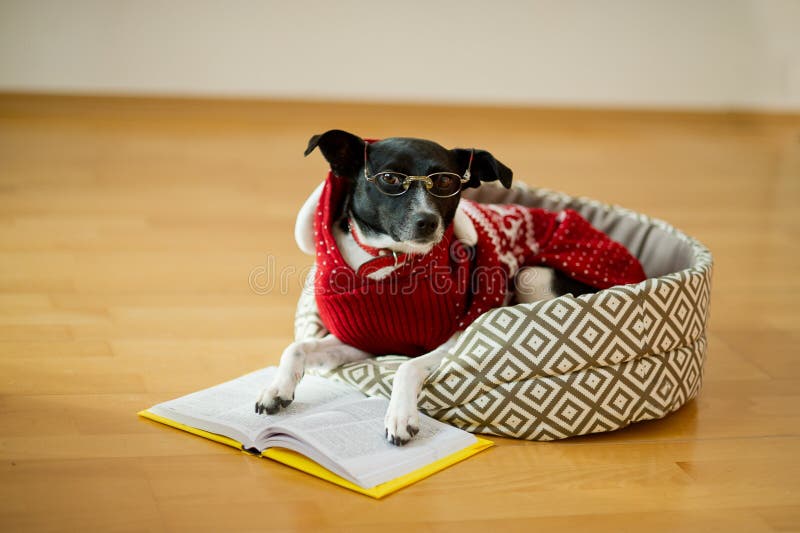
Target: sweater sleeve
575,247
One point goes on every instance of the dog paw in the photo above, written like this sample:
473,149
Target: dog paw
280,393
401,423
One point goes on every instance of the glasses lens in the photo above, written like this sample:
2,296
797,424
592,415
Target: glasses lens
445,184
391,183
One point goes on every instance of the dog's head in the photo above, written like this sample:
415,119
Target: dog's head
413,220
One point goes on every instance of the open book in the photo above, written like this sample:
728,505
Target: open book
331,424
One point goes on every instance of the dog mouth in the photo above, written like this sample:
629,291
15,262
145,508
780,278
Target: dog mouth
427,242
410,236
422,242
417,246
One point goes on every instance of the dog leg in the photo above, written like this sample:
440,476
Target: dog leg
327,353
534,283
402,417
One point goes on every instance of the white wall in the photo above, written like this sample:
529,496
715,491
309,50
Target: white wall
720,54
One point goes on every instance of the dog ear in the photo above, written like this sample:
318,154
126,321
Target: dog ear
484,167
343,151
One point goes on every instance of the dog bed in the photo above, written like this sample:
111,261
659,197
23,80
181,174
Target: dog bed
567,366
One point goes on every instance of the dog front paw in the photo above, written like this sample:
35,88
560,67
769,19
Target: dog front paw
401,422
280,393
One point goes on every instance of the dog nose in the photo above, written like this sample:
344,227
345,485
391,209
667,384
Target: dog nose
425,224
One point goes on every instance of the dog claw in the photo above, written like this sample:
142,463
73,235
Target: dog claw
396,440
399,441
272,407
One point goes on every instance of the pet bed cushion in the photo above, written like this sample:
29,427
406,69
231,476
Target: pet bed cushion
567,366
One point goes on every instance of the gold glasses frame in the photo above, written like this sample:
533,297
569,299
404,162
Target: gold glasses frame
409,180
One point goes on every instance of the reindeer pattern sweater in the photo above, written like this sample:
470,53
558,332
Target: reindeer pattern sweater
429,297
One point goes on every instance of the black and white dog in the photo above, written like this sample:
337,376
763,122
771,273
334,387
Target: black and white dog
407,212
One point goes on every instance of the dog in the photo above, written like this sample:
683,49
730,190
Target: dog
403,264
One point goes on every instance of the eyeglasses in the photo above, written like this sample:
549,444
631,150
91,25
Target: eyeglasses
440,184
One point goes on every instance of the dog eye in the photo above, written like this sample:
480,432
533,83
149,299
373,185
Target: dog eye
389,179
443,181
444,184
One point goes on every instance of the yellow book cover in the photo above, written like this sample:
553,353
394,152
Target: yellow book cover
209,403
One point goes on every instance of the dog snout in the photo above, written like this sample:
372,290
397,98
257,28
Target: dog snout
425,224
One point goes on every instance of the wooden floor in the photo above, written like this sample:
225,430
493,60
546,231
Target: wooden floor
129,230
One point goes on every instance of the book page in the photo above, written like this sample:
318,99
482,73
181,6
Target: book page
350,440
228,408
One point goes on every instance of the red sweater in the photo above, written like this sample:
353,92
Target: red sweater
427,299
